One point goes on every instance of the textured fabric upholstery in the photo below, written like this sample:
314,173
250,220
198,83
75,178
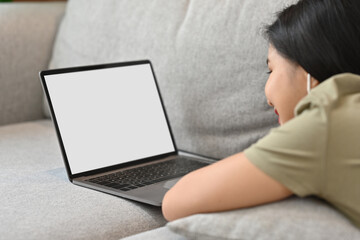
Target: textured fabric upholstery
39,202
209,58
294,218
27,31
291,219
162,233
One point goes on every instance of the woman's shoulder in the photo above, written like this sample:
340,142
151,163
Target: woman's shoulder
340,89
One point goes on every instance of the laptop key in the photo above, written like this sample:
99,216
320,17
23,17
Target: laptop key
112,185
102,183
120,186
140,185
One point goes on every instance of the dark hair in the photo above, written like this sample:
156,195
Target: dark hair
322,36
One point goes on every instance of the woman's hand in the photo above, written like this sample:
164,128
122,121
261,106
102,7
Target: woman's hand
231,183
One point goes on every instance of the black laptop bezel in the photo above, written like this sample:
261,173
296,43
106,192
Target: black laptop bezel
72,176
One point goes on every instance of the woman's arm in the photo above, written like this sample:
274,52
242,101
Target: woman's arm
228,184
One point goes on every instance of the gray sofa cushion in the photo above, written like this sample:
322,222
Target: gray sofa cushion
291,219
39,202
27,31
208,55
162,233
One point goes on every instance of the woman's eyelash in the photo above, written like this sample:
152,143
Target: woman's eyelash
269,72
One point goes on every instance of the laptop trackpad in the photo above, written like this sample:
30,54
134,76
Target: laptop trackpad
171,183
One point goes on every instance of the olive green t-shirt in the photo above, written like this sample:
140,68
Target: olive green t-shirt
318,151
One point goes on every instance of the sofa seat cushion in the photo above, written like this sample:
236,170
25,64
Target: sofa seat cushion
39,202
163,233
292,219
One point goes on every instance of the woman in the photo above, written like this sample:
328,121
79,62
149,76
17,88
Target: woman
314,87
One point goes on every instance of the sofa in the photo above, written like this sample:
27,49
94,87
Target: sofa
209,57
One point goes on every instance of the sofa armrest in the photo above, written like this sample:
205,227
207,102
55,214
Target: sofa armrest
27,32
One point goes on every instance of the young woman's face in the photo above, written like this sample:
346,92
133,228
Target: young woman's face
286,86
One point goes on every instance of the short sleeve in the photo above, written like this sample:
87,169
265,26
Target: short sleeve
293,154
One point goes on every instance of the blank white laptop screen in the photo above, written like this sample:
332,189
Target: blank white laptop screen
109,116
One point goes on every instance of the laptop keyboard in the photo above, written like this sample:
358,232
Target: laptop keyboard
149,174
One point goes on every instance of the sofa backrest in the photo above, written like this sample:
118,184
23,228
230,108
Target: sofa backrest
27,33
209,57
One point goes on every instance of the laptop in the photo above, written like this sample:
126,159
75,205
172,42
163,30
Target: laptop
113,130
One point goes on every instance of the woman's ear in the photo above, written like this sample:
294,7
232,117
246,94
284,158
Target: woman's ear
314,82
